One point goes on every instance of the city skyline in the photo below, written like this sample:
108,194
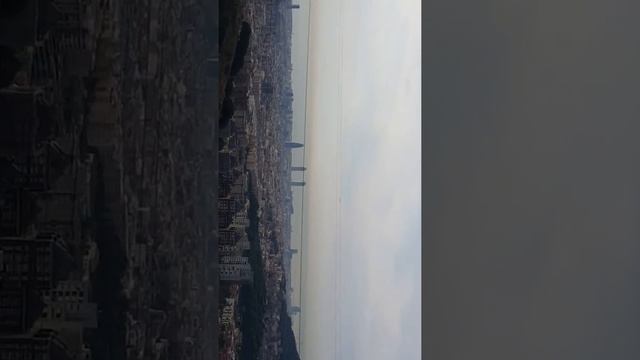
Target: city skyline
349,91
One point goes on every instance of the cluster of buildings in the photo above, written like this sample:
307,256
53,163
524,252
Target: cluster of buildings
233,202
270,99
235,159
165,76
233,223
107,113
228,324
40,301
48,252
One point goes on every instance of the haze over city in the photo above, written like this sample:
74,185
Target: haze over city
147,205
361,236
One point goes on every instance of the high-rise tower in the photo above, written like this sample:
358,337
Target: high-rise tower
294,310
292,145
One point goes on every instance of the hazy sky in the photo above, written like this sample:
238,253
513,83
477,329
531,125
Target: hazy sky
365,70
532,188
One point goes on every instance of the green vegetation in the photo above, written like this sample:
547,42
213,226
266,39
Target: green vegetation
230,26
289,349
241,49
238,62
252,296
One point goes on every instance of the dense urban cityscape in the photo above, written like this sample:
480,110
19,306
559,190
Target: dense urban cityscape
146,179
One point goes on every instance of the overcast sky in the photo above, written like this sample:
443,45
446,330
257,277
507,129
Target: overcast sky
364,69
